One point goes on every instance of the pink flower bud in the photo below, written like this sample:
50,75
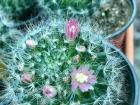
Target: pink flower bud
26,78
31,43
71,29
49,91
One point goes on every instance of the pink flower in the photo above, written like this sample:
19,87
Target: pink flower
49,91
71,29
82,78
26,78
31,43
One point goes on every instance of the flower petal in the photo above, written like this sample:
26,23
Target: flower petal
92,80
74,72
74,85
85,87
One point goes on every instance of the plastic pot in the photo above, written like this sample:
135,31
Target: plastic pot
22,24
132,77
118,37
129,44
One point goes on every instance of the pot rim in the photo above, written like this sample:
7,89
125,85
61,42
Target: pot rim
125,27
28,21
132,75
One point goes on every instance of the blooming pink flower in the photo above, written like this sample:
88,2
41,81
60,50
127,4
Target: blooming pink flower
49,91
71,29
26,78
31,43
82,78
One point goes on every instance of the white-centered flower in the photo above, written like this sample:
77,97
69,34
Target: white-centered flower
82,78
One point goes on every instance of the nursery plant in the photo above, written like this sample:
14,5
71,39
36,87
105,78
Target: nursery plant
61,62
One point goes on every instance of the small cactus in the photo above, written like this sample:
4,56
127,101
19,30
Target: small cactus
56,71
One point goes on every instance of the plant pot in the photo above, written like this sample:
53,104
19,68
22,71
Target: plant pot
118,37
22,25
33,21
18,13
132,75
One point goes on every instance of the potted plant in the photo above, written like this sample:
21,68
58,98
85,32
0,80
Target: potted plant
56,65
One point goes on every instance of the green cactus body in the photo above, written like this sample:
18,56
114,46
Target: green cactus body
63,60
47,57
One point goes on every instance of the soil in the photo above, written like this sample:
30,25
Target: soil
112,15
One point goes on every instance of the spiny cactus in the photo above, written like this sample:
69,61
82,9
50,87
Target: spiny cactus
13,12
54,64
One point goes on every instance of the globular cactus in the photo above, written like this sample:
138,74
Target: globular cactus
55,64
14,12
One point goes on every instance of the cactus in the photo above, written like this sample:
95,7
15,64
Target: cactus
63,63
13,12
